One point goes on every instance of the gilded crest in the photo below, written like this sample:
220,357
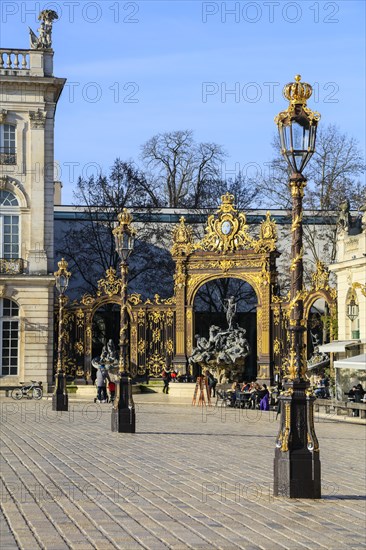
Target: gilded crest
182,238
111,285
268,234
226,231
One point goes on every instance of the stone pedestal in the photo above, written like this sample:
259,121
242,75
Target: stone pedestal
296,463
123,412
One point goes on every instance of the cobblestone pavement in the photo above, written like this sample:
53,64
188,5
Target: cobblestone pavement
189,478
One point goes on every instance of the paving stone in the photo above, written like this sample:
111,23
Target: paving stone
187,479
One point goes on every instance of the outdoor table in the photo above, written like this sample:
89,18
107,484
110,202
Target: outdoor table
242,398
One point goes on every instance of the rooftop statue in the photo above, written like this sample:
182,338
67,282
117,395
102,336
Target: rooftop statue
44,40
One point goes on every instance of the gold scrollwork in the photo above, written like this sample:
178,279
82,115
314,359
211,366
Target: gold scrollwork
276,346
296,222
156,363
79,347
361,287
169,317
111,284
135,299
87,299
140,317
182,239
226,231
225,265
267,235
276,315
296,260
79,317
169,346
141,346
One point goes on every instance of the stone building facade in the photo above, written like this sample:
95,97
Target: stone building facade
29,94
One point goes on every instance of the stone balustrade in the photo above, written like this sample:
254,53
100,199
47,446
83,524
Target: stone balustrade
16,62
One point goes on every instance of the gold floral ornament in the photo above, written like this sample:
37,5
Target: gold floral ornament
111,285
182,239
226,230
268,235
180,275
135,298
156,363
320,278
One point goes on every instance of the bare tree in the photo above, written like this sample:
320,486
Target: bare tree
179,169
89,245
333,174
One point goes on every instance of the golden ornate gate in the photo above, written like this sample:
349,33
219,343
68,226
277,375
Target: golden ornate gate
226,251
162,330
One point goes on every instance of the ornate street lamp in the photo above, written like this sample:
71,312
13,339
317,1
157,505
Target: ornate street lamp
60,400
123,412
296,463
352,309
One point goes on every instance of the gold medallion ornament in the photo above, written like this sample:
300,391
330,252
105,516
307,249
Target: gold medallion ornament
226,231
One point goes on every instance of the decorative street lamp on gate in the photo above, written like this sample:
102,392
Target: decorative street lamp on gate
123,412
60,400
296,463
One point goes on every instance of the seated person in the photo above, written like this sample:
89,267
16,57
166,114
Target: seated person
253,400
232,392
359,392
245,386
351,394
263,395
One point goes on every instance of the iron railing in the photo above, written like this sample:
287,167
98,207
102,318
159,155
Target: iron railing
12,266
8,155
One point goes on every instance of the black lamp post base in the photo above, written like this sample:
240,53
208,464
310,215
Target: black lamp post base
60,402
123,412
60,399
297,462
124,421
297,474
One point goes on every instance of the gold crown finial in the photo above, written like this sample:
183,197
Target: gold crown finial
125,217
297,92
228,198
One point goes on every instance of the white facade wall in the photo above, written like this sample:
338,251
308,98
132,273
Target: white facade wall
28,99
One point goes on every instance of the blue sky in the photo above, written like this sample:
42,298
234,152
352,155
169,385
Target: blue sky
138,68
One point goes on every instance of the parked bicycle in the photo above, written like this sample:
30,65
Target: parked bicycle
30,391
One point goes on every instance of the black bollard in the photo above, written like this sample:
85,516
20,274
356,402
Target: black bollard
123,412
60,399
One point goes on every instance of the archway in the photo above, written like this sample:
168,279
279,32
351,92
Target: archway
318,325
208,309
105,326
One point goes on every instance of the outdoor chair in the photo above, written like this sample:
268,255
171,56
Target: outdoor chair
222,398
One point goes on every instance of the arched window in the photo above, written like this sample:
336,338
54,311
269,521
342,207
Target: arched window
7,144
9,341
9,225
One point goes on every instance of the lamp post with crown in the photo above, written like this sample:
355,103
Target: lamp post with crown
296,463
60,399
123,412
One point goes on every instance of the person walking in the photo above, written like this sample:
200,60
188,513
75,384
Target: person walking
167,376
102,377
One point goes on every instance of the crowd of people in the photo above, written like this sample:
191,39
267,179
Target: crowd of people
257,395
